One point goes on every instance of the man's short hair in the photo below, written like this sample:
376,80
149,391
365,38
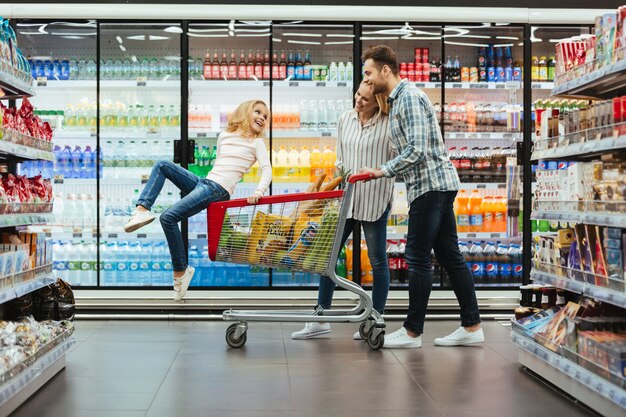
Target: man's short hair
382,55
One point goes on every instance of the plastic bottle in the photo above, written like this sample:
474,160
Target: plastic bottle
328,161
121,263
194,260
534,69
134,257
322,115
316,164
349,70
74,254
478,262
499,210
475,212
313,114
464,249
65,162
304,165
281,164
462,212
156,264
393,261
488,214
504,263
204,275
293,164
332,72
109,264
515,255
88,168
491,263
366,267
59,261
403,275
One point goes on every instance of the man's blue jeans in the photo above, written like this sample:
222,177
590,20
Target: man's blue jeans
376,238
200,192
432,226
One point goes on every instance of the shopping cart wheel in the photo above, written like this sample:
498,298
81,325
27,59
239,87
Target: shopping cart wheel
232,340
376,340
364,330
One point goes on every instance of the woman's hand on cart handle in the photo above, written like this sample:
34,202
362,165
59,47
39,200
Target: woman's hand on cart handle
254,198
366,174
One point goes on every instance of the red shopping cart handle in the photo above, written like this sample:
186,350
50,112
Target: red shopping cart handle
361,177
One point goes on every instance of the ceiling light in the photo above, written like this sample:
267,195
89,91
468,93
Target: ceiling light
207,35
513,38
421,38
339,35
262,30
502,24
73,37
134,58
304,42
194,30
245,35
480,45
30,33
137,37
231,25
304,35
339,43
503,45
119,39
173,29
461,35
276,40
122,47
532,34
379,38
42,29
231,33
256,22
158,38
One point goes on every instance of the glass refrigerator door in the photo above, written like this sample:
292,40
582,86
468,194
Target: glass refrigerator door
63,60
418,49
483,123
139,122
229,63
312,87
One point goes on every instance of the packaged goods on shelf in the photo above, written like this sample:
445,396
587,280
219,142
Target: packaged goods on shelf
493,262
23,127
14,63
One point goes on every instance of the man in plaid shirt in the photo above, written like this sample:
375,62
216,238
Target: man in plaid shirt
432,183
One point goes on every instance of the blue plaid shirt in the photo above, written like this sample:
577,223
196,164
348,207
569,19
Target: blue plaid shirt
422,157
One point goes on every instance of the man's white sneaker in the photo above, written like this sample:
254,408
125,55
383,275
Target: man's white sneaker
138,220
400,339
357,336
182,284
461,337
310,330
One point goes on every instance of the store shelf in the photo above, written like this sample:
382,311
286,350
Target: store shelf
580,283
455,85
276,134
483,135
18,389
111,133
26,282
597,218
483,185
609,399
482,235
22,219
24,152
13,87
581,150
606,82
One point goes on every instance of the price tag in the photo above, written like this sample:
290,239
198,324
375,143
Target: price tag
326,134
201,236
112,235
77,235
201,135
142,81
507,136
142,236
501,186
500,86
42,81
495,235
437,85
144,179
483,186
457,85
266,83
485,136
342,84
294,83
420,85
472,135
473,235
535,86
58,179
474,86
320,84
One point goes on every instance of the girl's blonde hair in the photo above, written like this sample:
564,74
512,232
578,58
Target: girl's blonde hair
239,121
383,105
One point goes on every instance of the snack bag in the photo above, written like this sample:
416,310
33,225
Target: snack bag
258,232
277,239
304,231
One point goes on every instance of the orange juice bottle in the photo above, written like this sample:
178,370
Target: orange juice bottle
366,267
316,163
499,211
280,167
462,212
488,215
475,212
305,164
293,165
328,163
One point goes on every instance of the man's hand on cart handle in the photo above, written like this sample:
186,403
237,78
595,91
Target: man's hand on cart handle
373,173
254,198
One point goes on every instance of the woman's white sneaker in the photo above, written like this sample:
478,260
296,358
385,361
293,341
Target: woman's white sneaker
138,220
182,284
310,330
461,337
401,340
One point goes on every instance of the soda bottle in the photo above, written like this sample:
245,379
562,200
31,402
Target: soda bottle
232,66
266,66
328,162
275,68
215,66
464,249
403,274
543,69
491,263
299,70
462,212
258,65
515,256
504,263
241,68
305,164
250,66
393,261
349,253
366,266
551,68
488,214
456,75
499,212
282,66
448,70
534,69
478,262
475,212
341,268
316,164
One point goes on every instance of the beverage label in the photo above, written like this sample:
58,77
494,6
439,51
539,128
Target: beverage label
517,270
499,216
463,219
491,269
488,217
491,74
299,72
133,266
121,266
517,74
476,220
478,269
107,266
393,263
85,266
144,266
72,265
291,72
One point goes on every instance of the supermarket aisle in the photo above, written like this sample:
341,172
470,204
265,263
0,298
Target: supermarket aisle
154,369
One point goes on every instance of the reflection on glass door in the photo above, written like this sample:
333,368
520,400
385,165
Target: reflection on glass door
483,124
139,122
63,60
229,63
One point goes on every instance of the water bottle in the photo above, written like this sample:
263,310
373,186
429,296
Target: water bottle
65,70
134,259
90,258
313,115
87,169
127,70
65,158
107,69
121,262
91,70
147,255
73,263
153,69
515,255
205,276
156,269
109,264
322,123
478,262
491,263
58,259
76,162
56,70
194,261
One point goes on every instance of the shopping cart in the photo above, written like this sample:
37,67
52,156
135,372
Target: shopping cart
299,233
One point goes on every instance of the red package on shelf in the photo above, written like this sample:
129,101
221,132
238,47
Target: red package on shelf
49,194
47,132
9,183
38,188
26,109
24,189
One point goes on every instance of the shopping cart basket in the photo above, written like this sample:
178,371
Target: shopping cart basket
295,232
